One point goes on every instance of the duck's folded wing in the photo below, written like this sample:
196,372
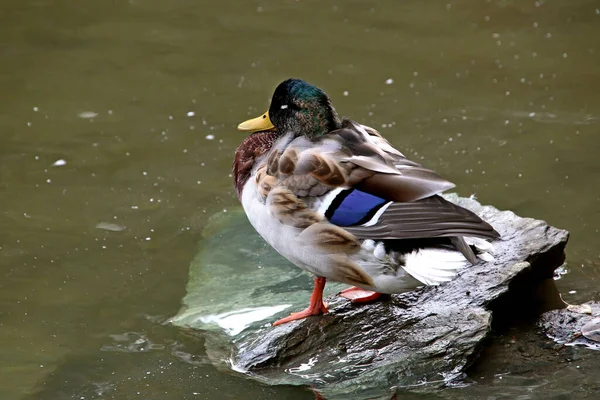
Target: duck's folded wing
430,217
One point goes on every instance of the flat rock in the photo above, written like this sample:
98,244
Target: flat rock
415,341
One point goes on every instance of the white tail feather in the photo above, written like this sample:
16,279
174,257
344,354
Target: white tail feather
484,248
434,266
480,244
486,257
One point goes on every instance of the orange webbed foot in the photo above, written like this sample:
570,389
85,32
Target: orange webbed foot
316,306
358,295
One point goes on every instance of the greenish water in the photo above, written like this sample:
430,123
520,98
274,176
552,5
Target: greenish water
499,97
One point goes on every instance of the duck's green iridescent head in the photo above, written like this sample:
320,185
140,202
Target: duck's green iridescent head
299,107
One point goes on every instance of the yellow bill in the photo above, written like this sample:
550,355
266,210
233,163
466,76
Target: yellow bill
262,123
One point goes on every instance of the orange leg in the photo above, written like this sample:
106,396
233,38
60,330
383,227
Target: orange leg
358,295
315,307
317,395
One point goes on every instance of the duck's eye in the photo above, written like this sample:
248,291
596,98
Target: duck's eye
264,116
284,106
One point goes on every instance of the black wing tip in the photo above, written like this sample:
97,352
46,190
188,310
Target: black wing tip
494,234
490,232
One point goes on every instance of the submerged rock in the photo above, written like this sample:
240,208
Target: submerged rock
418,340
574,325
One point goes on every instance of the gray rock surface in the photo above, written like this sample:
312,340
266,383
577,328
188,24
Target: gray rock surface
418,341
575,325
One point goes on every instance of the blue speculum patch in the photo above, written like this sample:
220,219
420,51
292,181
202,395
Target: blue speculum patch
353,207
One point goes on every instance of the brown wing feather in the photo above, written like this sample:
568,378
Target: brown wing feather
406,187
430,217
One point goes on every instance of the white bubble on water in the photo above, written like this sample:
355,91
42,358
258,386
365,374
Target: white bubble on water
87,114
108,226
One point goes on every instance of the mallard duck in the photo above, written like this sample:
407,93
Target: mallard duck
337,200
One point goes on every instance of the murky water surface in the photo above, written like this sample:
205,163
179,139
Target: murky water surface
117,129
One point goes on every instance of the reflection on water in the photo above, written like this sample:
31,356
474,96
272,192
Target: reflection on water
118,128
234,322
